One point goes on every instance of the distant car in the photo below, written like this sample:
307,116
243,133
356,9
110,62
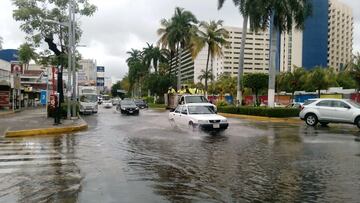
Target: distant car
326,111
295,105
128,107
107,104
115,101
198,116
141,103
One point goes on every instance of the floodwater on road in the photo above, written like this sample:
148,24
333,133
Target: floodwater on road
145,159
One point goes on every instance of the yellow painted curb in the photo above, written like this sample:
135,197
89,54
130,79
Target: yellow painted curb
263,119
6,113
46,131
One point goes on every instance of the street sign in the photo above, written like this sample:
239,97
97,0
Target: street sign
43,97
16,68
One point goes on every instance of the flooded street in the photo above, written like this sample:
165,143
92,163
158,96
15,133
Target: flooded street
145,159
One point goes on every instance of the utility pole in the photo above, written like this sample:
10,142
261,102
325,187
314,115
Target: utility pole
73,34
69,102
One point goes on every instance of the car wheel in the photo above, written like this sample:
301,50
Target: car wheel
311,119
357,122
324,124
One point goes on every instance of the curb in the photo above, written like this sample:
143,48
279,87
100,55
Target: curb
262,118
47,131
6,113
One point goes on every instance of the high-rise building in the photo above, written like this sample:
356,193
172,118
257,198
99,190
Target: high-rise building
256,53
100,78
87,72
256,57
326,40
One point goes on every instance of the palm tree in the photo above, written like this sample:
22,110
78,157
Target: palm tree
214,37
26,54
281,16
176,33
205,75
165,42
243,8
135,56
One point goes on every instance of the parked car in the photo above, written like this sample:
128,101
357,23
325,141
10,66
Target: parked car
199,116
128,107
107,104
295,105
141,103
326,111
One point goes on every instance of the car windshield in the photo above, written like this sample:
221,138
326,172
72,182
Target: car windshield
195,99
139,102
354,104
88,98
200,110
127,102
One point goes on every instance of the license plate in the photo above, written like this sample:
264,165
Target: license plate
216,125
130,111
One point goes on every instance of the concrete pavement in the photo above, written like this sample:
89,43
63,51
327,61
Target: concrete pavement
34,122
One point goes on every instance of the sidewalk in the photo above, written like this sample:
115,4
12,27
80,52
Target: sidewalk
34,122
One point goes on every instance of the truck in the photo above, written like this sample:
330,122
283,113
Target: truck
88,99
173,100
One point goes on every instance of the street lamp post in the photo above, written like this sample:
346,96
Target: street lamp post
69,63
73,34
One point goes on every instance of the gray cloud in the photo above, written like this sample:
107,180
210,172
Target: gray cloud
119,25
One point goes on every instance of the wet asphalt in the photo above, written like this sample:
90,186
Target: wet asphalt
146,159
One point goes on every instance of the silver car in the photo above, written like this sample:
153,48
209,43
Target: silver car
326,111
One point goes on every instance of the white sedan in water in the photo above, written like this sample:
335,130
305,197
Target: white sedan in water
197,115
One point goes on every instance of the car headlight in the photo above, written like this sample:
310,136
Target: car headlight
122,108
137,108
203,121
224,121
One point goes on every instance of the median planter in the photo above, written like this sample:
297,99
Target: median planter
261,111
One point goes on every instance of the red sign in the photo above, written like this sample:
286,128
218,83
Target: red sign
16,68
4,98
53,101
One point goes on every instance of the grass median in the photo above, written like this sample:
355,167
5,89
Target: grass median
261,111
156,106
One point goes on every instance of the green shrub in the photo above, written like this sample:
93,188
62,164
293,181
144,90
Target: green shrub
149,99
261,111
63,111
221,103
152,105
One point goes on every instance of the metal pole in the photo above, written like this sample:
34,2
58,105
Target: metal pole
74,59
69,64
47,91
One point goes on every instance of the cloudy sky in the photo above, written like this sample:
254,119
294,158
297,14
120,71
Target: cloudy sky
120,25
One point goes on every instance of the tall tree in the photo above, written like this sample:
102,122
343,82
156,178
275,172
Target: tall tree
212,35
292,81
177,33
135,56
205,75
152,55
281,16
26,54
244,7
318,80
256,82
166,42
35,15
